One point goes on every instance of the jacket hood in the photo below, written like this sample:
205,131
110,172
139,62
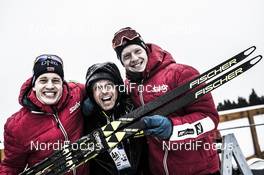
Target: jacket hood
27,98
105,70
157,60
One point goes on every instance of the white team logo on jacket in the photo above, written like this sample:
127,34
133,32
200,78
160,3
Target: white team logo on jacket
75,107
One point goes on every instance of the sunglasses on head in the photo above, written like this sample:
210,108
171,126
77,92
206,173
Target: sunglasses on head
50,57
126,33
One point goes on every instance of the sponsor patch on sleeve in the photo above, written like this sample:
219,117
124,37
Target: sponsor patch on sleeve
187,131
199,128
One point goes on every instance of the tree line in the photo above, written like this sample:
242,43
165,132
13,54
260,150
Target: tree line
253,99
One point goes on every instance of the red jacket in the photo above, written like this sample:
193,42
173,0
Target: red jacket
193,125
35,131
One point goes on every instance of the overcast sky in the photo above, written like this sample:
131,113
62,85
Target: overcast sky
199,33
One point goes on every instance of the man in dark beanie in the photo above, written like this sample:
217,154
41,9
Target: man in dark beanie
50,116
153,68
105,103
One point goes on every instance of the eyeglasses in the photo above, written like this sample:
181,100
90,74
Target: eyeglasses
127,33
46,57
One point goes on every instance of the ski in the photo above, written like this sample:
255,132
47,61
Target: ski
170,107
111,134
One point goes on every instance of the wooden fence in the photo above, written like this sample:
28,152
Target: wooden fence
248,113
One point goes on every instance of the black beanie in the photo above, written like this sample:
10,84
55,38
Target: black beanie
47,64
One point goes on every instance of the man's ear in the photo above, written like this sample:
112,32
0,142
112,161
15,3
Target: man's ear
33,88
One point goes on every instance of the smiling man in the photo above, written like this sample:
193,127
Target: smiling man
148,66
48,88
49,117
105,94
134,58
104,104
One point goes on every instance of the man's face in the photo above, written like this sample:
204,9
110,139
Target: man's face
48,88
134,58
105,94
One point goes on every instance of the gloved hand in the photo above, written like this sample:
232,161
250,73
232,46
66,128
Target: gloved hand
158,126
87,107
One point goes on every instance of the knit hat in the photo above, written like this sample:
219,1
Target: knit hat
124,37
99,71
47,64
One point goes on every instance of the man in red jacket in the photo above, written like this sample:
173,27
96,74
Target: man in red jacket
50,117
181,143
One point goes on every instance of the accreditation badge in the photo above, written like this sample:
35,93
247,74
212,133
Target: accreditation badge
119,156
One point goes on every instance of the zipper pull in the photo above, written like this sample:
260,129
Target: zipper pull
55,114
57,119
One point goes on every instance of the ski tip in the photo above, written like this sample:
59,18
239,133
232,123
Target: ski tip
249,50
255,60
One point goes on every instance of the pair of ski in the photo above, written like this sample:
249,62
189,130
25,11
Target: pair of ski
102,139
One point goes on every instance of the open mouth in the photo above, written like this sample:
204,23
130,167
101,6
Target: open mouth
49,94
137,64
106,98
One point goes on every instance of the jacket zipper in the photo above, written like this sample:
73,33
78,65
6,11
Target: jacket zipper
165,166
141,98
59,124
